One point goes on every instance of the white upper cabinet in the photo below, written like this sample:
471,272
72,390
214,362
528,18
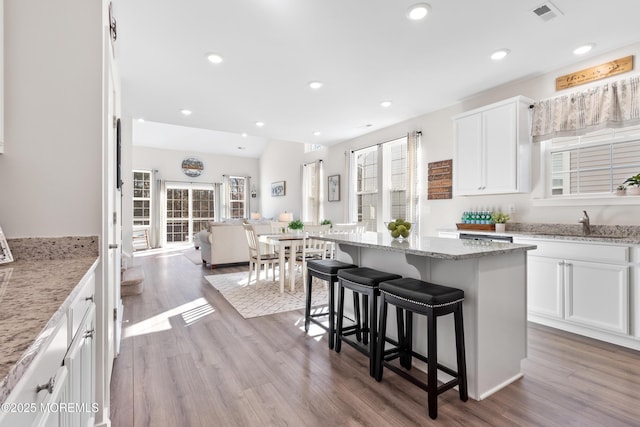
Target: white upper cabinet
492,152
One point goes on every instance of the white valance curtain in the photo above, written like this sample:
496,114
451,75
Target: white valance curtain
612,105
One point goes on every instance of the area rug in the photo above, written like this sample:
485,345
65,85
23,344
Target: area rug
251,301
193,255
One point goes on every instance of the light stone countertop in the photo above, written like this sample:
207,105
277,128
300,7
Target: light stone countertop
625,234
36,290
434,247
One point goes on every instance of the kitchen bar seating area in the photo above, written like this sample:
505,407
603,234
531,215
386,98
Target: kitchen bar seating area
231,371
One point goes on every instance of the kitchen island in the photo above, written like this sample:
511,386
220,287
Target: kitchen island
493,277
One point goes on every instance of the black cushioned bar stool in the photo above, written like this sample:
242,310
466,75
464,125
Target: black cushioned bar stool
324,269
361,281
432,301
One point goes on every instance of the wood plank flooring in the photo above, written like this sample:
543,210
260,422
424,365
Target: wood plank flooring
189,359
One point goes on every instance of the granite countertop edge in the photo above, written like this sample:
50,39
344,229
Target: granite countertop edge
463,250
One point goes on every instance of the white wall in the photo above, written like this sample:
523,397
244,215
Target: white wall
281,161
169,165
437,140
51,172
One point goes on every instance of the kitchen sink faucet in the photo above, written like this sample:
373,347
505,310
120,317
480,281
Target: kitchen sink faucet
586,229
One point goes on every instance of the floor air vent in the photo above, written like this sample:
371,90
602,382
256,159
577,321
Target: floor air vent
547,11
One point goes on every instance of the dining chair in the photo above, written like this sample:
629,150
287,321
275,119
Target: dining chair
312,248
278,227
258,259
345,227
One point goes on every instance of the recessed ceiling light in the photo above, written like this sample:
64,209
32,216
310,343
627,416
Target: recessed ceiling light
141,120
259,124
418,11
385,104
185,112
499,54
583,49
214,58
315,85
316,133
244,135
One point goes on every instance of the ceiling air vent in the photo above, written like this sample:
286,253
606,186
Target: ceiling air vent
547,11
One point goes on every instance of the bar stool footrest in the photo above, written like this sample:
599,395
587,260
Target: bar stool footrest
424,386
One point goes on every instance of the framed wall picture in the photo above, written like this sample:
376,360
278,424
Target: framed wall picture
5,253
334,188
278,188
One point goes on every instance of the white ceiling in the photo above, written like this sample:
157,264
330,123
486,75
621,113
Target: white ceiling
364,51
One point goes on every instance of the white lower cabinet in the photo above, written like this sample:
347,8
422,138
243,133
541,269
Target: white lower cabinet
58,387
581,287
50,413
597,295
80,362
545,286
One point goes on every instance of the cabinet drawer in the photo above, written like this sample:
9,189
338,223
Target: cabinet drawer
585,251
81,304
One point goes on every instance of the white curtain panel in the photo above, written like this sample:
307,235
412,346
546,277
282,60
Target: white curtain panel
224,200
612,105
413,178
158,212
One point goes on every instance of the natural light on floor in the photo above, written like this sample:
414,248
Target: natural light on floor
315,331
190,312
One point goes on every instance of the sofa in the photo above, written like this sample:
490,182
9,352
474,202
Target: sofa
226,243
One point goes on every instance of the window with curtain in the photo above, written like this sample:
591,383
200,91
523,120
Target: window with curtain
142,198
386,182
188,211
312,192
592,164
237,194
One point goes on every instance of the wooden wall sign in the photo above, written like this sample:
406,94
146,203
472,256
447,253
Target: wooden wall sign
598,72
440,177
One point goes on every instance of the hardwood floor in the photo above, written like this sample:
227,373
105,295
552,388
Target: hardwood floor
189,359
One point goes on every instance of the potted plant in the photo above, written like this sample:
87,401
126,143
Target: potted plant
634,185
621,190
500,219
296,225
327,222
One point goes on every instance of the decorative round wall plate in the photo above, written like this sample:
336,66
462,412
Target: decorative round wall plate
192,166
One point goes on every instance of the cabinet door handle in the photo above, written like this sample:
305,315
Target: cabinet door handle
90,298
48,386
89,333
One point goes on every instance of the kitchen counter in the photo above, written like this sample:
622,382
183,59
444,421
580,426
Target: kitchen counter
35,293
628,234
433,247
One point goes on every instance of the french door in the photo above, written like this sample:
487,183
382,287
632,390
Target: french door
188,211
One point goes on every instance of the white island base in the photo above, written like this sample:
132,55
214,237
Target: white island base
494,309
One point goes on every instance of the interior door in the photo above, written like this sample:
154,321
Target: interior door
112,218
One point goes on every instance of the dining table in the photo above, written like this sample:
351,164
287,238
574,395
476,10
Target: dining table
282,242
